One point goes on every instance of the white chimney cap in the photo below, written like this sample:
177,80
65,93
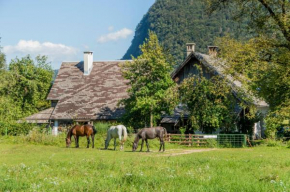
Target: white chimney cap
88,62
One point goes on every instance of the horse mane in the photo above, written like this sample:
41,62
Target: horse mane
138,135
69,133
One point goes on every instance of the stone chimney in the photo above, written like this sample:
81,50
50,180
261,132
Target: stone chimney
88,62
190,47
213,50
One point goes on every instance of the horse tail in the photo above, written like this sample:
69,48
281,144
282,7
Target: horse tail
165,133
94,130
124,133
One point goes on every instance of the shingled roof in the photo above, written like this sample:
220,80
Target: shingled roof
88,97
40,117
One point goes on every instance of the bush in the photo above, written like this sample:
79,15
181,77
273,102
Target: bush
288,144
102,128
130,130
273,143
38,136
14,129
211,143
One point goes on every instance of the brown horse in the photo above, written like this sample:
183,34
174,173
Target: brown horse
81,130
150,133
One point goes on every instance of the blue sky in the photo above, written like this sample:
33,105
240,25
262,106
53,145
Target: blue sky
63,29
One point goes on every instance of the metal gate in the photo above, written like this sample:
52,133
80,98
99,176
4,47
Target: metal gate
231,140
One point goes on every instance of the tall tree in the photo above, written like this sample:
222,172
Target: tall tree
267,17
30,84
262,63
2,58
210,103
149,78
24,87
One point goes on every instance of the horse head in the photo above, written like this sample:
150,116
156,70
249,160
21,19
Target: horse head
134,147
68,142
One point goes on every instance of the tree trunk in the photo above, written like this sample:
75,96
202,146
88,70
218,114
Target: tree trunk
151,119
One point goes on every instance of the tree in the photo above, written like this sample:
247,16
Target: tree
31,83
266,16
24,87
177,22
210,103
2,59
262,63
149,80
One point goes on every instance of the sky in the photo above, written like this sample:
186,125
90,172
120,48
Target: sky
64,29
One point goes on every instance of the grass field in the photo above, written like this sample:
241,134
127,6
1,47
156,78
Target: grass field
28,167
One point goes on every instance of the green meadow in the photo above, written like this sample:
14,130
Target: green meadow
28,166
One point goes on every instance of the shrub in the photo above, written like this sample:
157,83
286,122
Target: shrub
38,136
102,127
14,129
288,144
273,143
211,143
130,129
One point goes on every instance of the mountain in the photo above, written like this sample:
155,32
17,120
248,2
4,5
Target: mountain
177,22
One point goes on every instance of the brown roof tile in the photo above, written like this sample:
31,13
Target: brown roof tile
93,96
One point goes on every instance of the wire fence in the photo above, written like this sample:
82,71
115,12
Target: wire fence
202,140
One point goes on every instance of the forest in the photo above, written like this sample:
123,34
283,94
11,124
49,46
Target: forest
183,21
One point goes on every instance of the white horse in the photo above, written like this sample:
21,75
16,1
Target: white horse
116,132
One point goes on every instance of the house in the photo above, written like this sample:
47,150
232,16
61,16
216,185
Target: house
210,66
84,91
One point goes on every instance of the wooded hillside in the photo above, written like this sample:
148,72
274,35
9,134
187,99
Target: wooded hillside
177,22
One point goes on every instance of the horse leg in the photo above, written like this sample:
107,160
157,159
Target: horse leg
88,139
93,140
78,138
121,142
115,144
121,145
142,144
161,144
75,140
147,144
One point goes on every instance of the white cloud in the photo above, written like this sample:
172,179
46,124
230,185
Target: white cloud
56,52
122,34
111,28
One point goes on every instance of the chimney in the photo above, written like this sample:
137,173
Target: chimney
213,50
88,62
190,47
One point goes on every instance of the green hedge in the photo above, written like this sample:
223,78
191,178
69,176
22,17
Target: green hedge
14,129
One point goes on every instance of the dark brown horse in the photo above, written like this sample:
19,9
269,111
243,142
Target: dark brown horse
81,130
150,133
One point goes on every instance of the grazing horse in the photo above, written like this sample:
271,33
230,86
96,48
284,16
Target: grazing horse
81,130
116,132
150,133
